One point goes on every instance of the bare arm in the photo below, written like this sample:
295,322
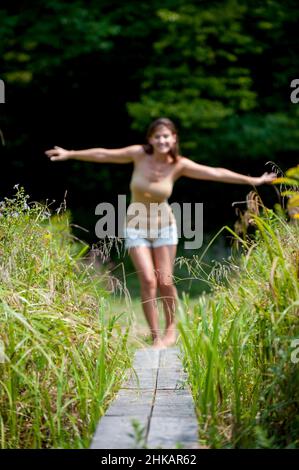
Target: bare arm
195,170
97,155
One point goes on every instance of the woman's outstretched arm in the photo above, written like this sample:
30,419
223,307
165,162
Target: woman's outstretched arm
195,170
97,155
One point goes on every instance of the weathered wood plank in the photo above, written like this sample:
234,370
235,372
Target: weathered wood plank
170,358
172,379
116,432
171,433
132,403
146,359
144,379
159,399
173,403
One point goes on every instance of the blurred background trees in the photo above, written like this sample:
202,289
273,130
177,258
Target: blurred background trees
87,74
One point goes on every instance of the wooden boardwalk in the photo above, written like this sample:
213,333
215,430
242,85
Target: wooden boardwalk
153,409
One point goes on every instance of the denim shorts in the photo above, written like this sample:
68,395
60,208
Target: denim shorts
164,236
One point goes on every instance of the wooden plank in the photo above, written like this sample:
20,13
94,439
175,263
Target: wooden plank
117,432
170,358
159,400
132,403
144,379
146,359
173,403
172,379
172,433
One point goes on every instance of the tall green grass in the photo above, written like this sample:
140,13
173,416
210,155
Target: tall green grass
63,354
238,341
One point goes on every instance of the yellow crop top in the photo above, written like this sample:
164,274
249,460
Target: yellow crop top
154,210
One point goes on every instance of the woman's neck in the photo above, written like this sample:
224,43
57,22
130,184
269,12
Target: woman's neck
160,157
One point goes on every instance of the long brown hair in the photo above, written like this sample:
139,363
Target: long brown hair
148,148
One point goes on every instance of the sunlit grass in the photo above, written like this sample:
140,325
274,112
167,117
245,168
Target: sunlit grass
237,343
66,342
65,351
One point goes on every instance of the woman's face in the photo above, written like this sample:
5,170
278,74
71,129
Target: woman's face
162,139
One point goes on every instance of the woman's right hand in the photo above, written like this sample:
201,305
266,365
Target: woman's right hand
58,154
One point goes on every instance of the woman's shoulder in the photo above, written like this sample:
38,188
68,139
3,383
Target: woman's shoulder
184,162
180,165
181,161
138,152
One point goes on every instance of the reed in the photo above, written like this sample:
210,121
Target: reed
63,354
239,341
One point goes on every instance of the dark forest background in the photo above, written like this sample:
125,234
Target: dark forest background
95,73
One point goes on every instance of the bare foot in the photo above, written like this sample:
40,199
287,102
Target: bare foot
158,344
169,338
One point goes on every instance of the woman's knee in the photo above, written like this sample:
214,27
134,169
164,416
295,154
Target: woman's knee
165,283
148,282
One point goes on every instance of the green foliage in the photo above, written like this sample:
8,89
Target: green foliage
238,344
51,34
63,352
220,69
138,434
291,179
209,72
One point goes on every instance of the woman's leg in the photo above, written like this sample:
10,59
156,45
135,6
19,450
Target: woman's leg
164,257
142,259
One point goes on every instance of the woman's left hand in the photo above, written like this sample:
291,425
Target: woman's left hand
266,178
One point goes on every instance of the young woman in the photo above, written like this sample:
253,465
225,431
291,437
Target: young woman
157,165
